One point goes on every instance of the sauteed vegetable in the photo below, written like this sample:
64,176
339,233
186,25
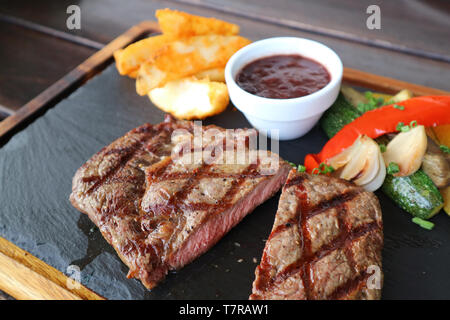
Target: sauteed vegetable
407,165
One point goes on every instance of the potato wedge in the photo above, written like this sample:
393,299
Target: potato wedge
129,59
191,98
216,74
186,57
178,25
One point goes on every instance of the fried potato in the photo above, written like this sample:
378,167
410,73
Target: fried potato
216,74
178,25
129,59
186,57
133,74
191,98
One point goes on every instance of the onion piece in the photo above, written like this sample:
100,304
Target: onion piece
407,150
364,164
372,163
344,157
355,167
361,163
377,182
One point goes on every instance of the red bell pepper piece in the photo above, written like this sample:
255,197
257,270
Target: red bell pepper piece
427,111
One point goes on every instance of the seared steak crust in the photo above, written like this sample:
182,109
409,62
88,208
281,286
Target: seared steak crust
325,243
160,209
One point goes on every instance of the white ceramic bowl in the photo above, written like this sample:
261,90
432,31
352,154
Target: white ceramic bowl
291,117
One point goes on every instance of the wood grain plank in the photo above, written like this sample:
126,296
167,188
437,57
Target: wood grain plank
5,112
24,276
413,27
75,77
416,24
387,85
32,61
24,284
102,25
51,32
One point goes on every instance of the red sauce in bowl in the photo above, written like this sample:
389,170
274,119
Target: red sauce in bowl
283,77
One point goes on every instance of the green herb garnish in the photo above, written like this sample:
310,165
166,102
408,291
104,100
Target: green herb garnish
393,168
324,168
396,106
423,223
368,95
444,148
382,147
372,103
300,168
363,107
399,126
406,127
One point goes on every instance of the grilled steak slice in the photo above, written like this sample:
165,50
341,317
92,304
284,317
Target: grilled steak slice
161,200
325,243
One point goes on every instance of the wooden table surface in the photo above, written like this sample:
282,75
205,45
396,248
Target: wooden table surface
37,48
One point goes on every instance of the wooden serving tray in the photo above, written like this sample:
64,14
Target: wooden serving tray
83,116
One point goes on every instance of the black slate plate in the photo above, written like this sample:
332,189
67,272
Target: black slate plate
36,169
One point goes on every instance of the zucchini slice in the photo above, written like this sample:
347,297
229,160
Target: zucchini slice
416,194
338,115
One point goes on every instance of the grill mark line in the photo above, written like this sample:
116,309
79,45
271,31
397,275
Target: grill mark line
349,286
130,152
224,203
302,214
335,202
345,237
175,203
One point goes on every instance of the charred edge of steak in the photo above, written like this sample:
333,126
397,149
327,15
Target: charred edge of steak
371,232
89,197
111,185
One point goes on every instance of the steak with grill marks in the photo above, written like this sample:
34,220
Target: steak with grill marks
325,243
162,200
